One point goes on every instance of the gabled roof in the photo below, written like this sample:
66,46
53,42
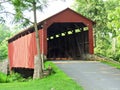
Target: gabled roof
67,9
31,29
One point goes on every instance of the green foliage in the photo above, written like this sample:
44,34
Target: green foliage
3,51
54,68
114,26
116,56
14,77
3,78
5,33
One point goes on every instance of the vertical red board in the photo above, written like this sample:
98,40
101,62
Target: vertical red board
21,52
10,54
90,34
43,40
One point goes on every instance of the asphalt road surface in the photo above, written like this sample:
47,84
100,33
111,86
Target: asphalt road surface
92,75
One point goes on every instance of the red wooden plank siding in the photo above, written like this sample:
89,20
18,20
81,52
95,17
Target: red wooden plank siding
43,41
22,51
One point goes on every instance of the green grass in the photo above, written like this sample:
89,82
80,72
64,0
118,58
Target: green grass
3,77
57,81
113,64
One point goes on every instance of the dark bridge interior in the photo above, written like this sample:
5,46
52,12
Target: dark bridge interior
67,41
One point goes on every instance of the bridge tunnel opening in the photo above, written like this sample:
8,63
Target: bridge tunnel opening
67,41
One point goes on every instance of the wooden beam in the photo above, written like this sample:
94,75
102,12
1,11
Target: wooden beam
90,34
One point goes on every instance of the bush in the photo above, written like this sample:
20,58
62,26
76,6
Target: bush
116,57
3,78
14,77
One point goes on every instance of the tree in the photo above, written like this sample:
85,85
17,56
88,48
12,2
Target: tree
37,40
5,33
114,26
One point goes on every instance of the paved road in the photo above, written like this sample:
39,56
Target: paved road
92,75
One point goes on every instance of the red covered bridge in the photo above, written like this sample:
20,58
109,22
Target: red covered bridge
65,35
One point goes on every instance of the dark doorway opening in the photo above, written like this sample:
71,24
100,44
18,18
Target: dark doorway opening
67,41
24,72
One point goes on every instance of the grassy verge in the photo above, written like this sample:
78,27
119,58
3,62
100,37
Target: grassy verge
57,81
3,77
113,64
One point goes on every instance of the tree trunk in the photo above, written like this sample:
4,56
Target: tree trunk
114,45
38,70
